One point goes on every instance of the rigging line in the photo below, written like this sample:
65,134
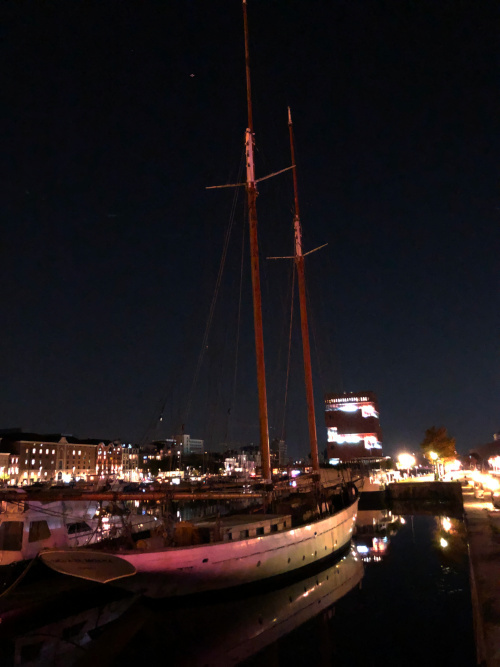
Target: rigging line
158,414
334,357
277,403
314,329
18,580
47,511
214,298
333,361
238,330
289,353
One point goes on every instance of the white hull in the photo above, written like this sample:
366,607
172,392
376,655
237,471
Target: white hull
27,529
216,566
228,631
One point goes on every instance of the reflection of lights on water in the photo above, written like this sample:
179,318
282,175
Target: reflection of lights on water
443,542
446,523
379,544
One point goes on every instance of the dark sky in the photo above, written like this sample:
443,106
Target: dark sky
116,116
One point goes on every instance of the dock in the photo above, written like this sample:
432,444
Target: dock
483,530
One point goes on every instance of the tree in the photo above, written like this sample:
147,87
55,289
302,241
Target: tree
438,441
388,464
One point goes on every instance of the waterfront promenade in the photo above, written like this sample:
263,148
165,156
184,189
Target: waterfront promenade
483,530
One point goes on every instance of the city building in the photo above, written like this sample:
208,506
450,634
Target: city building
109,462
353,427
190,445
50,457
278,453
130,463
241,465
5,464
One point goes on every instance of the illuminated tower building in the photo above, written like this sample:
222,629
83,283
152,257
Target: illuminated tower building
353,427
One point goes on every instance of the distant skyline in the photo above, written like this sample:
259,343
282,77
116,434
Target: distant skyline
115,120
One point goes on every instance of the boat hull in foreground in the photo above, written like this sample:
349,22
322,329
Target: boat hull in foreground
177,571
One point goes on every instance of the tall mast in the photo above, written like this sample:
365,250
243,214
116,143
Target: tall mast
299,263
251,189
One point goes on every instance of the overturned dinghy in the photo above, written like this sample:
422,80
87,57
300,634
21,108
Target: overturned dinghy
90,565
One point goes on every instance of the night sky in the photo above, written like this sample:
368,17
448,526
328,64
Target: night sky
115,118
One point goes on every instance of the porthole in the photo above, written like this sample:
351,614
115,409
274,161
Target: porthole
303,557
289,560
258,563
205,560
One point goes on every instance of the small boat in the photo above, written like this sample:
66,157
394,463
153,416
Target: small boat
30,526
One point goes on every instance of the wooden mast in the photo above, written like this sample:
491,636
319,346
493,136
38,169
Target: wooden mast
251,189
299,263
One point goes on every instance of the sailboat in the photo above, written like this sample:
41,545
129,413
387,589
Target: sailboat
306,529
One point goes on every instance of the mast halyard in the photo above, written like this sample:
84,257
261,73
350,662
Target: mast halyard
306,349
251,189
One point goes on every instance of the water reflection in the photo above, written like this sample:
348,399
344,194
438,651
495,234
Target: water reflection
227,631
374,529
450,540
410,583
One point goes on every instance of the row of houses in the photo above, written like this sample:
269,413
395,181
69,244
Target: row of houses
26,458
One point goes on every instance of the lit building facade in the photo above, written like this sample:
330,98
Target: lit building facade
353,426
42,458
190,445
109,460
278,453
130,463
240,465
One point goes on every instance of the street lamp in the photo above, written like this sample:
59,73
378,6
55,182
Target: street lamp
406,460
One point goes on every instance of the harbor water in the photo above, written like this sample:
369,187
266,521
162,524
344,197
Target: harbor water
399,596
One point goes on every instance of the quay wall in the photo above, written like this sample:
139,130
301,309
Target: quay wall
450,492
482,522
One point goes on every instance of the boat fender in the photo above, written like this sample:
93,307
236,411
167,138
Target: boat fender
352,490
